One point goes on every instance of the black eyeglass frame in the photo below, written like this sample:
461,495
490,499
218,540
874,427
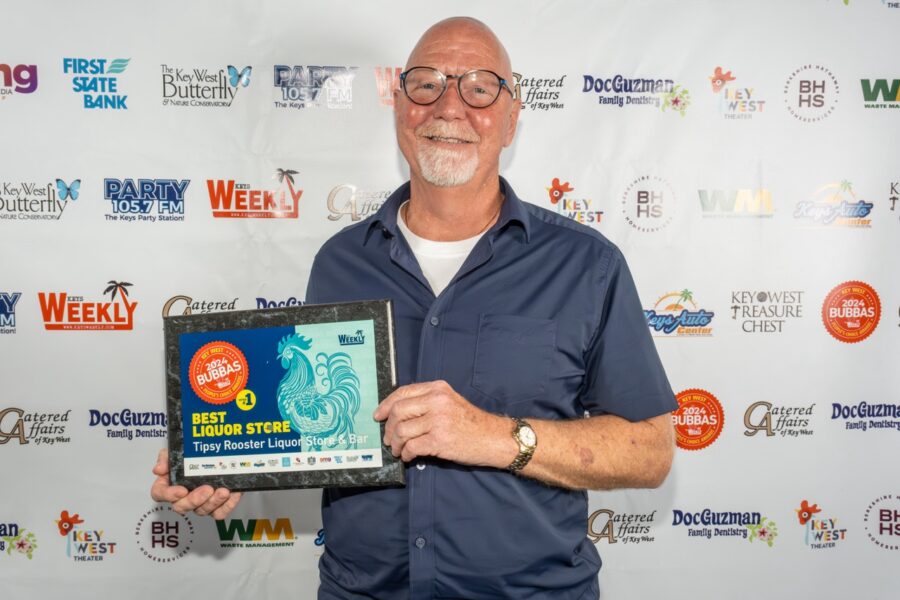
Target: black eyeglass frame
503,84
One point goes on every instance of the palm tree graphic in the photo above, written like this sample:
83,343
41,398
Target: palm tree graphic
684,296
288,174
118,286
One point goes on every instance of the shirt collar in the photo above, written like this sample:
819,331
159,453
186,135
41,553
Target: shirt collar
513,211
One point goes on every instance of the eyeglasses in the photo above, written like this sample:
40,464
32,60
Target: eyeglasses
478,88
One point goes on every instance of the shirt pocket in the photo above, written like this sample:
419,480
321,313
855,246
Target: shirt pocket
512,357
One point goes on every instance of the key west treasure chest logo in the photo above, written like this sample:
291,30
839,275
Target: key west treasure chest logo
280,399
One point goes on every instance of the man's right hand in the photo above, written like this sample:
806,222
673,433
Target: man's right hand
203,500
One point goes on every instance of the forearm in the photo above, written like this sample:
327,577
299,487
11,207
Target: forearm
604,452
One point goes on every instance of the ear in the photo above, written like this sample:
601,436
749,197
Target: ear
512,122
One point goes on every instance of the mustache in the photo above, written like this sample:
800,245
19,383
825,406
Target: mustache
446,130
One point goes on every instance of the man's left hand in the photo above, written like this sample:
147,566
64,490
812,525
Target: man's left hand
431,419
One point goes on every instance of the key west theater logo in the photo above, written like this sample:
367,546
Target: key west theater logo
32,201
62,311
21,79
582,210
819,531
677,314
309,86
735,101
84,543
151,200
201,86
95,79
232,200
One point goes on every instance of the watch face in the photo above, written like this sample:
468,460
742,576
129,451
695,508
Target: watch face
526,434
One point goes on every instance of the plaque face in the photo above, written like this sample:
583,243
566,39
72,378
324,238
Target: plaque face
281,398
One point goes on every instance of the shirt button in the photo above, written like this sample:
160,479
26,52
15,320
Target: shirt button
420,542
434,321
420,466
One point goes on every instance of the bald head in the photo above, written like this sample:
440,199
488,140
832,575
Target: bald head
467,38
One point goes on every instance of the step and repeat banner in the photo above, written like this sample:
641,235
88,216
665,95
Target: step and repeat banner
172,158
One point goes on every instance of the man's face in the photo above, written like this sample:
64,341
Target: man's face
447,143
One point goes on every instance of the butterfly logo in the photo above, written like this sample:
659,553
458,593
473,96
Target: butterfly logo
241,77
68,191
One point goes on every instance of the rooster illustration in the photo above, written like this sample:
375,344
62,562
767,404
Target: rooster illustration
327,417
557,190
720,79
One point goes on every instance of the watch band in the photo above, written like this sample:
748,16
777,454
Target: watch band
525,451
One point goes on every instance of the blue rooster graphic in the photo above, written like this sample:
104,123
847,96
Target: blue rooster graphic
328,416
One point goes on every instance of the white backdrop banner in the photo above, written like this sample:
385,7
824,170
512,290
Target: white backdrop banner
744,156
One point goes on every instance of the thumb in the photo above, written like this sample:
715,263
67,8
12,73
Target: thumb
162,463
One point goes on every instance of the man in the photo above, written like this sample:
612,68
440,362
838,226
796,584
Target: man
513,325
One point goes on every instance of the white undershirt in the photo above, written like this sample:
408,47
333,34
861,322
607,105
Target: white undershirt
439,261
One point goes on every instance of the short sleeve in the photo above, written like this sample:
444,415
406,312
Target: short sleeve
623,373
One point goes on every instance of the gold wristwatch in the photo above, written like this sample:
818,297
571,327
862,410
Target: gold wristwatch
527,440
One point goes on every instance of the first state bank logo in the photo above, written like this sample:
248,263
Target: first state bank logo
96,80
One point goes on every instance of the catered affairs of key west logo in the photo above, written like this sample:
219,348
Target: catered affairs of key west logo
675,314
835,205
811,93
708,523
539,93
84,543
573,206
32,201
698,420
255,533
95,79
736,203
347,199
765,311
648,203
17,79
387,79
16,539
881,93
8,301
40,428
776,420
232,200
63,311
151,200
820,532
164,536
127,424
306,86
851,311
624,527
621,91
203,87
737,101
186,305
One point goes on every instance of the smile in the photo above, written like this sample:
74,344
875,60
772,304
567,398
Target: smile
447,140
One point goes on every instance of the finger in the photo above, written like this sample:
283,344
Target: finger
162,463
224,510
194,499
404,391
416,447
218,498
408,430
408,408
162,491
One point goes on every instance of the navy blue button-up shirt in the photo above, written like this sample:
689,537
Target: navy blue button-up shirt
542,320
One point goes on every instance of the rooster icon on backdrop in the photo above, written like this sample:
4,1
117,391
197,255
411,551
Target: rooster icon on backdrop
327,416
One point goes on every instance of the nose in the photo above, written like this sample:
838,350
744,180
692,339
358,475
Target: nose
450,106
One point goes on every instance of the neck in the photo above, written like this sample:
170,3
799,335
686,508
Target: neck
449,214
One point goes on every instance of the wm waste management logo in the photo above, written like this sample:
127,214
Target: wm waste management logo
881,93
237,533
232,200
63,311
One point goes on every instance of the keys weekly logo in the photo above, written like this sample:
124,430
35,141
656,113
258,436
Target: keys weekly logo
95,79
62,311
232,200
21,79
153,200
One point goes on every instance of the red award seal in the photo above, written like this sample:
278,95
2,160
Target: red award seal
218,371
698,419
851,311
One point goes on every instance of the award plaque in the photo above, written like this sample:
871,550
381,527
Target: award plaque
281,398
